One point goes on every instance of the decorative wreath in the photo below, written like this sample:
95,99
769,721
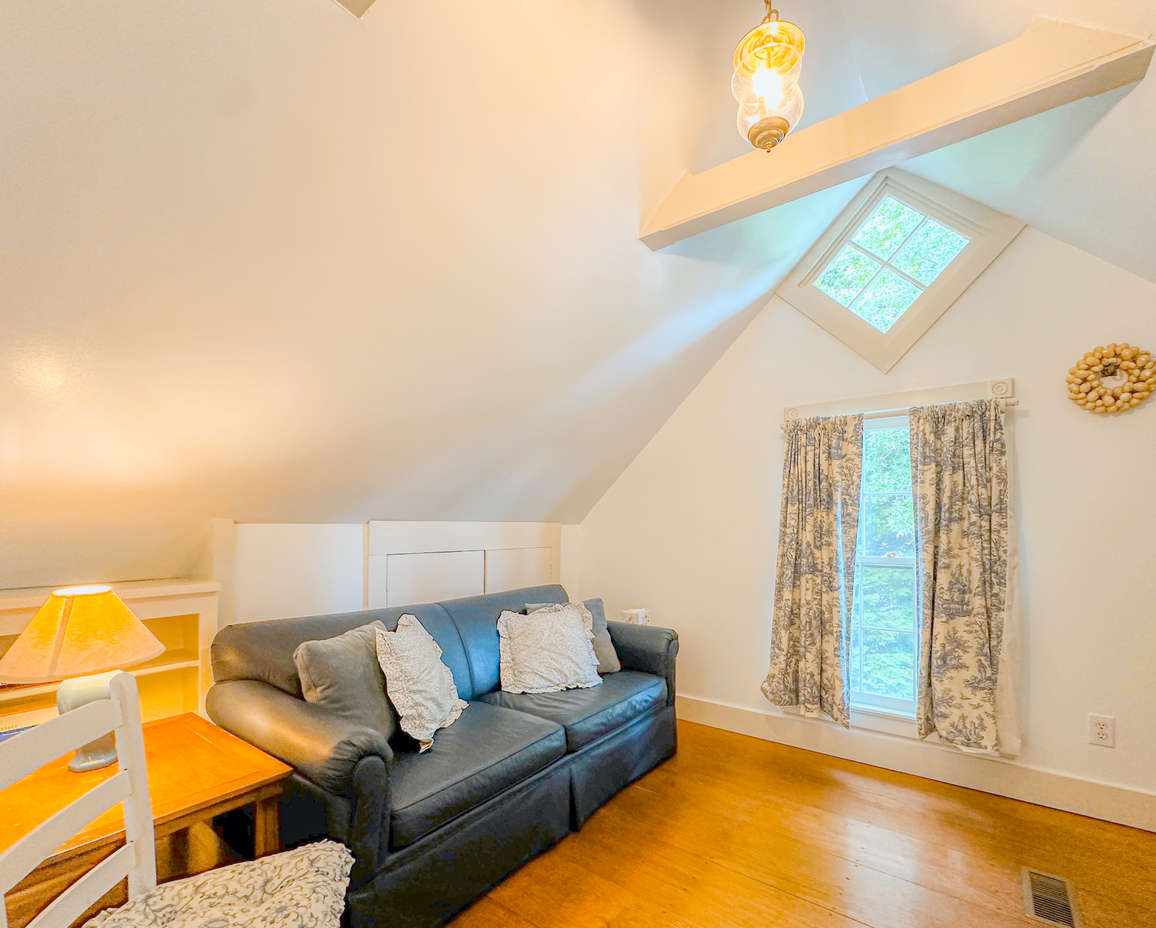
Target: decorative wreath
1112,378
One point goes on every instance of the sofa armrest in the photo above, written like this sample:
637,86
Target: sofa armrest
647,648
323,747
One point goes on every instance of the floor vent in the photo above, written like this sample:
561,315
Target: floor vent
1049,900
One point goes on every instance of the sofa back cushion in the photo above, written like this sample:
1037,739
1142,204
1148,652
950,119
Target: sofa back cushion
264,650
476,619
466,630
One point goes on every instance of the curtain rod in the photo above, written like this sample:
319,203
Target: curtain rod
892,413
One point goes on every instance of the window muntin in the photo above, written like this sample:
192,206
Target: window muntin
894,255
884,629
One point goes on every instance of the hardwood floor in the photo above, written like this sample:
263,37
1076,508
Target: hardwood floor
740,832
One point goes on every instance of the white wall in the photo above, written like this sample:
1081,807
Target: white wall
690,528
278,570
290,570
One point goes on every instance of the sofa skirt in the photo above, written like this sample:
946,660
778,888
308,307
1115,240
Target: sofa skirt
601,769
427,883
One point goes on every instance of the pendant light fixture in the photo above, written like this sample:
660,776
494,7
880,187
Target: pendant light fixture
766,81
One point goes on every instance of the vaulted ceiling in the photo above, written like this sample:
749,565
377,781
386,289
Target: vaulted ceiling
263,261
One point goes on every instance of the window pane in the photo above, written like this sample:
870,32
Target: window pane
889,525
888,298
884,641
888,597
888,519
886,228
847,275
889,663
887,460
929,251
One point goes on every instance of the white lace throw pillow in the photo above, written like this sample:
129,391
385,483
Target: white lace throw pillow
419,684
547,651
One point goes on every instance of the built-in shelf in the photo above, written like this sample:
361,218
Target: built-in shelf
181,613
175,659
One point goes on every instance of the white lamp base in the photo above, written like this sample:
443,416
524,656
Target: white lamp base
80,691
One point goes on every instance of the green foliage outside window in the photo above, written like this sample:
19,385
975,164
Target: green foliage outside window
883,643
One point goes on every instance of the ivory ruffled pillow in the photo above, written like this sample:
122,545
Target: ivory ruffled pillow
420,685
603,646
548,651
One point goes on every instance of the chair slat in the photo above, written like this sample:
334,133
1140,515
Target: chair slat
74,901
138,814
26,854
30,750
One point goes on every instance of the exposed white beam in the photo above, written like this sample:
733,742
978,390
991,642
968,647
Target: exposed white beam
1052,64
356,7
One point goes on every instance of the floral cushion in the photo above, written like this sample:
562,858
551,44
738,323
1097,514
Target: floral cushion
419,684
547,651
302,888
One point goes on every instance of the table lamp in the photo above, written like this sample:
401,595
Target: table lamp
81,635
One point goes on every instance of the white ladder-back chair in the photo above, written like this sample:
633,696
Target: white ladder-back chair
31,750
309,881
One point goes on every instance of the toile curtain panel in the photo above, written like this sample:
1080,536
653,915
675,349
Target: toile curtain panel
959,475
816,566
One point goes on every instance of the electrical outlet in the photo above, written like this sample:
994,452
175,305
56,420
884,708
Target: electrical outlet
1102,730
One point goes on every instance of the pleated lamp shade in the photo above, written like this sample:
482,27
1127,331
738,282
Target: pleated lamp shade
79,630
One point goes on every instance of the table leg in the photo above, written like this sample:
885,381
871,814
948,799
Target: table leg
267,826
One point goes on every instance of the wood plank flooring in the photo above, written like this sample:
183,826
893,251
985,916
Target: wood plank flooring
741,832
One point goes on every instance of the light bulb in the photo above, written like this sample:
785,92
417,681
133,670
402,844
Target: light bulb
768,87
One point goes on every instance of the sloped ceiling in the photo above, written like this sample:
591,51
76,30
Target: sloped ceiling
265,262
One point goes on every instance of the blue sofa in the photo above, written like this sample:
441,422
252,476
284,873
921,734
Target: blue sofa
431,832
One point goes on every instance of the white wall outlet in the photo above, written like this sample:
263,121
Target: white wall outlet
1102,730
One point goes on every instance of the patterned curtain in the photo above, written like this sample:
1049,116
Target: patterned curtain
816,570
960,482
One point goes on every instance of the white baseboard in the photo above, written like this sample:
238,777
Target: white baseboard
947,765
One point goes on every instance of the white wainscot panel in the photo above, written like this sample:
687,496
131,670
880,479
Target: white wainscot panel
514,568
433,576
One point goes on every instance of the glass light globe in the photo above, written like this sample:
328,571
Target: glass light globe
765,125
767,65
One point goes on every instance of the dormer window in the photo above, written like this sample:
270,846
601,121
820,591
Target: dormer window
900,254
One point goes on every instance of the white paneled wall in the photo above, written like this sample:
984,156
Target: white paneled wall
428,577
279,570
273,571
408,562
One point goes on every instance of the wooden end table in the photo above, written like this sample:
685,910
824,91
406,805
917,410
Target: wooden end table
196,771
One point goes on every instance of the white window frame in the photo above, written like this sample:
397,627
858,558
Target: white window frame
879,717
988,232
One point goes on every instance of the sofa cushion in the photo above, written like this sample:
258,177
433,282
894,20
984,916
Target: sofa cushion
476,621
264,650
489,749
589,714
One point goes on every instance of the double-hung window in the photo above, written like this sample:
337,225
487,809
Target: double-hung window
884,653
